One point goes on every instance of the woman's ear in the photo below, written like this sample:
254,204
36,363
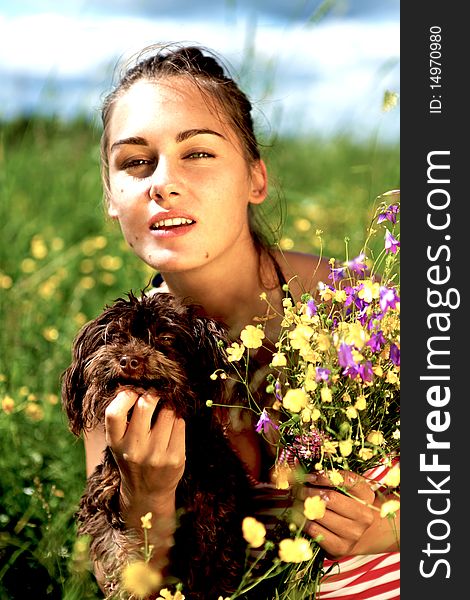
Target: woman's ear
112,211
259,182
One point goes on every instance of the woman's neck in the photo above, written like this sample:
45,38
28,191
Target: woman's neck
230,292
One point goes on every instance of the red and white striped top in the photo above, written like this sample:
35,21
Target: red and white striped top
361,577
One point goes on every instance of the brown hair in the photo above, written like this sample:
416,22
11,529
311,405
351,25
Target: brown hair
212,78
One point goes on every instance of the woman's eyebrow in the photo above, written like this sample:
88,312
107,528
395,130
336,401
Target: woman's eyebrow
134,141
180,137
188,133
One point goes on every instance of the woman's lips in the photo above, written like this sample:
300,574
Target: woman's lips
171,225
174,222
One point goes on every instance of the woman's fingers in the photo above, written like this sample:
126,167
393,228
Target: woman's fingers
116,416
140,422
348,513
170,433
352,484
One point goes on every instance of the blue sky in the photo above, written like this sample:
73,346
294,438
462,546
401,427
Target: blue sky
304,74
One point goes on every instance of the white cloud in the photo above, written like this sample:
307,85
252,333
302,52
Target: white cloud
332,69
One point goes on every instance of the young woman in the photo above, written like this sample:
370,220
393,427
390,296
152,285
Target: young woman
182,175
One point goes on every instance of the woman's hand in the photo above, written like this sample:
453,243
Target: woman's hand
346,519
150,457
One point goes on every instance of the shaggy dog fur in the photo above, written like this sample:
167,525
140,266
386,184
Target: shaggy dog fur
163,344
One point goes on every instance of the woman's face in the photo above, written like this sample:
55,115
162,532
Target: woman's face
179,182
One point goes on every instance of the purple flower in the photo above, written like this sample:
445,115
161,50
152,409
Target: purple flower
391,243
388,298
357,265
345,357
265,423
311,308
322,374
277,390
395,354
389,214
376,341
336,274
365,371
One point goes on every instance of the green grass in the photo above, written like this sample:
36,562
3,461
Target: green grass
61,262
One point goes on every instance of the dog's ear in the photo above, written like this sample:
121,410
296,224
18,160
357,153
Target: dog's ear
90,337
73,385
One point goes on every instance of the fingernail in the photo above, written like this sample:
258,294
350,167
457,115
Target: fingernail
324,496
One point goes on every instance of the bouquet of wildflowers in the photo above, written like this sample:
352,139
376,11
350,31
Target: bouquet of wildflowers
332,406
334,395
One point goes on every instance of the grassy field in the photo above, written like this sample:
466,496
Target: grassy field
61,262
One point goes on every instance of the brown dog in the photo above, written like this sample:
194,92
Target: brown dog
163,344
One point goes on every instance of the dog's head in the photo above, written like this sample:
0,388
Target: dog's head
153,342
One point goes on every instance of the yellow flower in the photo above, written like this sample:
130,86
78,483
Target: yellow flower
378,370
279,359
28,265
8,404
287,304
392,377
310,413
51,334
335,477
38,247
108,278
111,263
87,283
392,478
300,336
309,383
360,402
282,476
370,291
91,245
295,551
323,342
329,447
57,244
365,453
34,411
286,243
254,532
351,412
252,337
356,335
167,595
140,579
87,266
345,447
326,395
5,281
326,294
389,508
147,521
314,508
295,400
235,352
375,437
340,296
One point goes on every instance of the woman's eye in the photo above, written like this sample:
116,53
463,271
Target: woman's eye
140,167
194,155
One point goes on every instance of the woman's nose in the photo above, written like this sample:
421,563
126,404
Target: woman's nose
163,183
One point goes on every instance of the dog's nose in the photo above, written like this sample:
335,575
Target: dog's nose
129,364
